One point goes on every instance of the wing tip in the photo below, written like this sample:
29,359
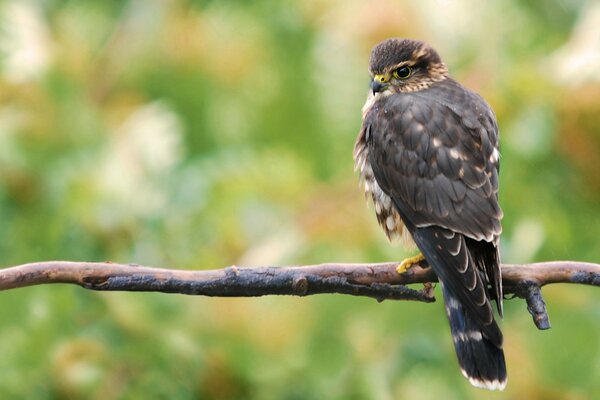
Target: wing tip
489,384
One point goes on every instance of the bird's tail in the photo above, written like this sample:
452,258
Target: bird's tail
481,361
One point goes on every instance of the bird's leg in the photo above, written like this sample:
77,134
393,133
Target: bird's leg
409,262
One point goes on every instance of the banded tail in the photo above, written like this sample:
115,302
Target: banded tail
480,357
464,268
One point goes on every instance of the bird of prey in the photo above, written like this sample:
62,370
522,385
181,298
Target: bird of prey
427,153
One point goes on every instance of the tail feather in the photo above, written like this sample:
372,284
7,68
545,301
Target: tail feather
465,268
481,361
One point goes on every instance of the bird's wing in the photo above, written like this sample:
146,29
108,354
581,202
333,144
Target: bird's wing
434,152
439,160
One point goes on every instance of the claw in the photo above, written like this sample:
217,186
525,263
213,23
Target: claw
409,262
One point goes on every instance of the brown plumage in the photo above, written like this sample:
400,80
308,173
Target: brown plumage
428,157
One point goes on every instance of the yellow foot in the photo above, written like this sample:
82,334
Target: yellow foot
409,262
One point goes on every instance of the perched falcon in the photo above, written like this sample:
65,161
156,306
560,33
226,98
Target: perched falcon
428,157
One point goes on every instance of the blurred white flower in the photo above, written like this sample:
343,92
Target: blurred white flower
578,61
151,137
24,41
145,147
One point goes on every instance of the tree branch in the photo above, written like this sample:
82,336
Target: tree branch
379,281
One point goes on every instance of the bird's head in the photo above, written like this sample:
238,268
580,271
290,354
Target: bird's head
404,65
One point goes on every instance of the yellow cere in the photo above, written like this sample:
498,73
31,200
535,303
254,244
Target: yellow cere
381,78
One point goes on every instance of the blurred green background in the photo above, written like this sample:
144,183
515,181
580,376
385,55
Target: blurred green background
200,134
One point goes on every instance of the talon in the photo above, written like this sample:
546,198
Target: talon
428,288
409,262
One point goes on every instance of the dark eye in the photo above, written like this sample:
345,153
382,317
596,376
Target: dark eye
402,72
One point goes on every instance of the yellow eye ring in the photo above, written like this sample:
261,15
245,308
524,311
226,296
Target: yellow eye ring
403,72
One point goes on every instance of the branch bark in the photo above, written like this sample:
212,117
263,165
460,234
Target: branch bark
379,281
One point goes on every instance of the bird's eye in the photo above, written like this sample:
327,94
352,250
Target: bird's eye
402,72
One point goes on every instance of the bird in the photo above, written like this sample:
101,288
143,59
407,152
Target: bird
428,158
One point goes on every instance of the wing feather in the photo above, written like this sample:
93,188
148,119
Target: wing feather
434,159
460,175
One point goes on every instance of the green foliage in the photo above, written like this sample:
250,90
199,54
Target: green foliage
204,134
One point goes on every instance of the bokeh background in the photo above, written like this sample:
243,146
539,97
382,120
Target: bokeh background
200,134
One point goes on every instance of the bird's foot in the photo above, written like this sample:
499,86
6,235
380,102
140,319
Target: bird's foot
409,262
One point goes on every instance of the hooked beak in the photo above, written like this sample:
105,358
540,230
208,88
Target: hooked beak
379,84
